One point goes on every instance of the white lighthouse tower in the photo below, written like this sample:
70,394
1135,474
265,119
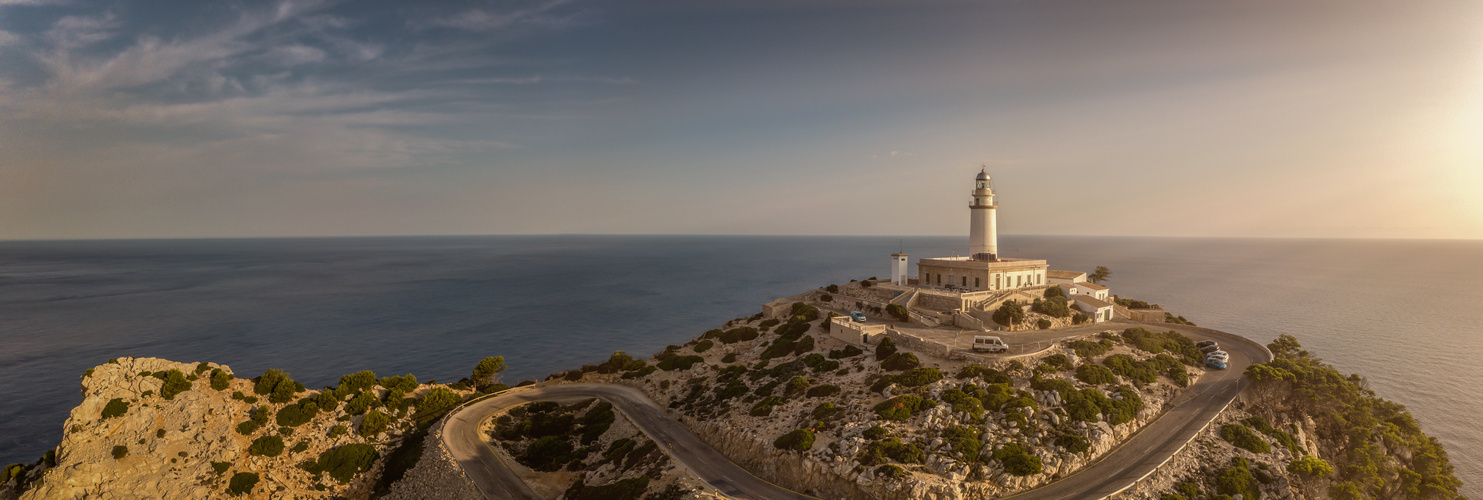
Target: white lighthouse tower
983,231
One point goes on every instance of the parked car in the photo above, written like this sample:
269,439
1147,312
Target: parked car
991,344
1204,343
1220,355
857,316
1210,348
1215,363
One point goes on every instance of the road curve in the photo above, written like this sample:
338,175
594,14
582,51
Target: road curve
1130,462
496,480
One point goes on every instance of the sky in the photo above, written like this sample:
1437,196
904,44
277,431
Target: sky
167,119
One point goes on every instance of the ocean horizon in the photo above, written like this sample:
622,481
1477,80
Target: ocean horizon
434,305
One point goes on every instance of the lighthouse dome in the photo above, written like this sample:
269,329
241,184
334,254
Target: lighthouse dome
983,175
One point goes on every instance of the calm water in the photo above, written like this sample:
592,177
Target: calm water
1403,313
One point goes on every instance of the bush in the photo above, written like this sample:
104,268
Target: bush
899,312
673,363
1009,313
114,408
407,383
804,311
885,349
344,462
626,489
703,346
374,423
876,453
891,471
989,375
1310,466
242,483
732,389
918,377
804,344
849,351
1017,460
796,385
220,467
797,440
547,453
1054,306
220,380
1094,375
824,411
741,334
1238,480
435,403
900,361
487,368
175,383
1058,361
1089,349
1241,437
902,407
1073,443
266,446
297,414
764,408
823,391
265,384
362,402
1079,318
337,431
120,451
1042,323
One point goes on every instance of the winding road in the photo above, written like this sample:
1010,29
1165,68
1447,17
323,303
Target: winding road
1116,471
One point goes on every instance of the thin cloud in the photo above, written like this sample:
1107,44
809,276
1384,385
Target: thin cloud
489,20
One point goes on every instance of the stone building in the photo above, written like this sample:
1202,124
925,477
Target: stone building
983,268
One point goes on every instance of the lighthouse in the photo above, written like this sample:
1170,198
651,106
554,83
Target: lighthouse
983,231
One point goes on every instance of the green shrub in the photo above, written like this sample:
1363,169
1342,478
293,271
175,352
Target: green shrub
804,311
1079,318
1042,323
220,380
358,381
362,402
220,467
266,446
548,453
878,452
902,407
344,462
242,483
1242,437
849,351
115,407
1073,443
875,432
798,440
673,363
1058,361
1310,466
435,403
732,389
918,377
885,349
824,411
805,344
741,334
796,385
823,391
487,368
298,414
1094,375
407,383
120,451
1009,313
265,384
1017,460
964,440
337,431
374,423
175,383
898,312
763,408
900,361
1089,349
989,375
626,489
703,346
1237,479
300,447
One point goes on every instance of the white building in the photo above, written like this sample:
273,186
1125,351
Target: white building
983,268
1099,310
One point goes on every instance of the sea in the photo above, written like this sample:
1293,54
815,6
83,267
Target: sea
1405,314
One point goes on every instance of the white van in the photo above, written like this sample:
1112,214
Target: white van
991,344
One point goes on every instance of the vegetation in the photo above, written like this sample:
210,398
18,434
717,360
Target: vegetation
1074,443
849,351
898,311
115,407
220,380
735,335
488,370
297,414
902,407
1310,466
1009,313
343,462
1017,460
120,451
266,446
822,391
1094,375
824,411
1042,324
242,483
258,417
703,346
1089,349
1100,274
900,361
220,467
878,452
435,404
626,489
374,423
885,349
1242,437
1356,424
1237,479
963,440
797,440
1054,305
175,383
1171,342
277,385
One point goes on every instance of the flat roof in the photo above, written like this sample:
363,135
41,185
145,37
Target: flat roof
1094,302
1063,274
1090,285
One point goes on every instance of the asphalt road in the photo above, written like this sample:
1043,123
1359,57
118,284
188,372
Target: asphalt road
1114,472
495,480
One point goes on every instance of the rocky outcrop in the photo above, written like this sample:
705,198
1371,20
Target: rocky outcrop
436,475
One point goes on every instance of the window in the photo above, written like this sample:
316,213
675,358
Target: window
939,278
965,281
975,282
